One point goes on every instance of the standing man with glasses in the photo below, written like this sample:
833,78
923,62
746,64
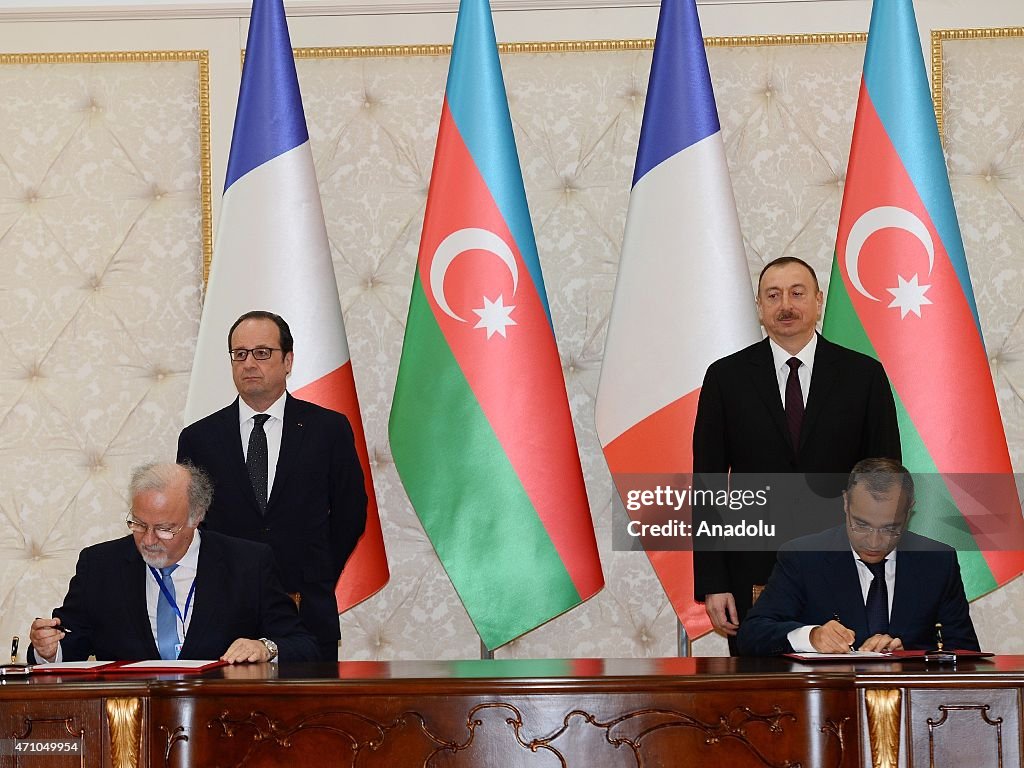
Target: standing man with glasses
868,584
168,591
285,472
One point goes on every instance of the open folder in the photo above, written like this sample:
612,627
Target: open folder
107,667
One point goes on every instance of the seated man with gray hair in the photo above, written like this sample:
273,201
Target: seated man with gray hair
868,584
169,591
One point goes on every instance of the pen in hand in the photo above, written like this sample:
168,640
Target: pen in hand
835,618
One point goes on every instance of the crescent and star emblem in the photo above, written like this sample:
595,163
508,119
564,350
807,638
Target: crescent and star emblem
908,295
495,316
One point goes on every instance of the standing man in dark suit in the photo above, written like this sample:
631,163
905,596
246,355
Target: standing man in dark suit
285,472
791,403
168,591
868,584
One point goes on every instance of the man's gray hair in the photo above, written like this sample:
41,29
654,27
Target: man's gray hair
156,477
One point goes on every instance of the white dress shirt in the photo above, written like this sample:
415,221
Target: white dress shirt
273,426
805,356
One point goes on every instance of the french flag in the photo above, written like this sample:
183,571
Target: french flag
683,296
272,253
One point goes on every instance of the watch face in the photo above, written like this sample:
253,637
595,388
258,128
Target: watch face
271,647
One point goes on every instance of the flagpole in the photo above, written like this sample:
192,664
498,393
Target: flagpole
485,652
682,639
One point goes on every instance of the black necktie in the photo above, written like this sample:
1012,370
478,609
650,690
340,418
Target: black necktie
877,603
794,402
256,460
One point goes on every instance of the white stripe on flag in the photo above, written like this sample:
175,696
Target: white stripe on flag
683,297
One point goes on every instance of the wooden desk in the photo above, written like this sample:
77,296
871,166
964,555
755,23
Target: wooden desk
593,713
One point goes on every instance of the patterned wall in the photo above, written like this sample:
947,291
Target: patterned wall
101,238
101,254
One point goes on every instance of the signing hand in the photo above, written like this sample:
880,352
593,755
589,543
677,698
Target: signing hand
45,635
832,637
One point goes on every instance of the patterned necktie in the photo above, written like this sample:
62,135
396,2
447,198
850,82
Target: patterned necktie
256,460
166,617
877,603
794,402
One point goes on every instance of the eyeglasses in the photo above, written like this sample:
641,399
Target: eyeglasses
161,532
260,353
863,529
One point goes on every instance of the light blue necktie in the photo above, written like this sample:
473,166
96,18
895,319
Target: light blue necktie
167,617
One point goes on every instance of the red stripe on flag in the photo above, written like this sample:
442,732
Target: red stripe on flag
657,445
935,360
366,571
516,377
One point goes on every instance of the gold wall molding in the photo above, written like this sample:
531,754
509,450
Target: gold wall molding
202,59
883,711
939,36
577,46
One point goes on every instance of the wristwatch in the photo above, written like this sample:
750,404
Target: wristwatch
271,647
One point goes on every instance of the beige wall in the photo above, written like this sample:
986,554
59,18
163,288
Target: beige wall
98,322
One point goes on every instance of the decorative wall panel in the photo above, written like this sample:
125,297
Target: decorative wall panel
104,210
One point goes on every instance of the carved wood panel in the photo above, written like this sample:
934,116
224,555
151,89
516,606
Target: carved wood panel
965,727
55,720
738,728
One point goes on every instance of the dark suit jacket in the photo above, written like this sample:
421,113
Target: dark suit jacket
815,579
237,595
317,508
741,428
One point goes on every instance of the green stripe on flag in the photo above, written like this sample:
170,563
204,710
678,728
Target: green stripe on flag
472,504
937,515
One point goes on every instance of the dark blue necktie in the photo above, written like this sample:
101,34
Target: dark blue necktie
256,460
167,617
877,603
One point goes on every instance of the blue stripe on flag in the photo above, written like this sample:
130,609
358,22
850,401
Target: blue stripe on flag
478,105
680,108
269,120
896,81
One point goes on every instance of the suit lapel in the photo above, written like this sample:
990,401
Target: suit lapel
134,575
293,434
766,385
210,578
823,379
903,592
231,440
844,583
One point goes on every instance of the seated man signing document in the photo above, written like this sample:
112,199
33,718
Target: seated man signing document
869,584
169,591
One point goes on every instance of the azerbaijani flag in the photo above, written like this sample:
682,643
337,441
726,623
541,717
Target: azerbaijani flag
683,296
480,426
272,253
900,291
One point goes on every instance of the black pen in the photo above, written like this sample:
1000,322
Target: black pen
14,649
61,628
835,617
